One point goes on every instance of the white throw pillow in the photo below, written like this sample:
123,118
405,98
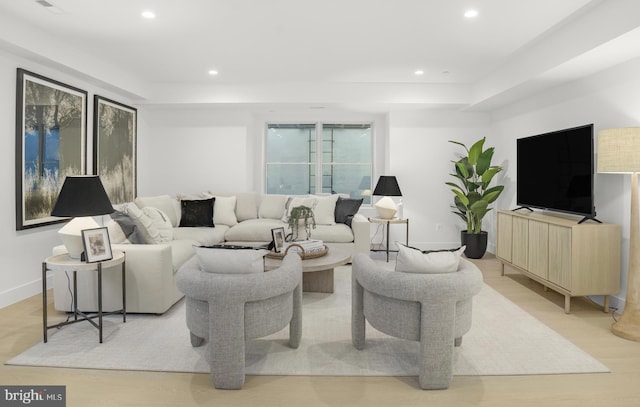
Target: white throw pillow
153,224
308,201
411,260
230,261
325,209
167,204
272,206
224,211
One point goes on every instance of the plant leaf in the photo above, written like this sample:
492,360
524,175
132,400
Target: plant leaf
490,173
462,197
484,160
475,151
491,194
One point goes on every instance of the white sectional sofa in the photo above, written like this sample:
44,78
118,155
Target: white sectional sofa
241,219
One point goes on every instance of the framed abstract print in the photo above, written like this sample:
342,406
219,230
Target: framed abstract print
114,148
51,143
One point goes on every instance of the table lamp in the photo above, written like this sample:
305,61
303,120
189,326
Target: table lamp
619,152
81,197
387,187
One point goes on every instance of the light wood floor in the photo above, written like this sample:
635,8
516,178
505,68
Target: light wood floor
587,326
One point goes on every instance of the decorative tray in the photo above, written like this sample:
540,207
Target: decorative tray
303,255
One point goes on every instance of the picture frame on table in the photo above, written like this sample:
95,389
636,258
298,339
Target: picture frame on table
51,143
115,133
277,234
97,246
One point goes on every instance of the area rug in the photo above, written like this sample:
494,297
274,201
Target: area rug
503,340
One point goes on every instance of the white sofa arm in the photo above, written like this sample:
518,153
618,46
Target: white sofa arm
361,234
151,286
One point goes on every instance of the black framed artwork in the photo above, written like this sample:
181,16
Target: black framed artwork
277,235
51,143
96,244
114,148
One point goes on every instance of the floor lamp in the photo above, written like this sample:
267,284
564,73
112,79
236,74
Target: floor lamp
619,152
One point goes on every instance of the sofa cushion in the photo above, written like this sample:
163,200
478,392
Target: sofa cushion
346,209
324,210
224,211
253,230
338,233
230,261
205,236
412,260
197,212
272,206
246,206
167,204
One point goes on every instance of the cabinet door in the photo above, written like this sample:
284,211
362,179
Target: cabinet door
505,231
520,244
560,256
539,248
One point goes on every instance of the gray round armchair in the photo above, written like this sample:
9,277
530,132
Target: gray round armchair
228,309
433,309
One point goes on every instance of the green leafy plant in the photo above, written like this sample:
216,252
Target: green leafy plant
301,213
472,194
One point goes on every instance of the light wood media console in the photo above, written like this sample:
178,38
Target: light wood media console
570,258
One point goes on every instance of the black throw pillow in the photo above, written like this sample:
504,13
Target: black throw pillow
197,213
346,208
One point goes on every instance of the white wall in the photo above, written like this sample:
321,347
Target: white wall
22,252
420,157
194,150
608,99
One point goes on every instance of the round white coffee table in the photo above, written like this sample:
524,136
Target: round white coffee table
317,273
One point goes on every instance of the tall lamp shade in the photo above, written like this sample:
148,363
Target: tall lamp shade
81,197
387,187
619,152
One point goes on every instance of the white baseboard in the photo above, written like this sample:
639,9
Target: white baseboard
17,294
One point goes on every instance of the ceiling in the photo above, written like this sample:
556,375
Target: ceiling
322,53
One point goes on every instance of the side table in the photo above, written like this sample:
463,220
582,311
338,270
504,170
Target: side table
63,262
388,222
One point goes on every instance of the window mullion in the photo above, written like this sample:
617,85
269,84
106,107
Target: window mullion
319,157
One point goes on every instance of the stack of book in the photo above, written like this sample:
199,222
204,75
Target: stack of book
309,246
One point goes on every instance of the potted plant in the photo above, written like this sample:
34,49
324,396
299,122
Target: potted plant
301,216
472,194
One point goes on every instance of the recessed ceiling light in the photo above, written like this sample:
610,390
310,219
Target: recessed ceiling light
471,13
419,72
148,14
213,72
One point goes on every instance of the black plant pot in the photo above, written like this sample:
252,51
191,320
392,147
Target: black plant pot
476,244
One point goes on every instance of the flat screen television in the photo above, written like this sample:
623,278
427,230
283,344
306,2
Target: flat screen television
555,171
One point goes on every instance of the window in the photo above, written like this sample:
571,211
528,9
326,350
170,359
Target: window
294,167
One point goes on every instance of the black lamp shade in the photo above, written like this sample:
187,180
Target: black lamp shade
82,195
387,186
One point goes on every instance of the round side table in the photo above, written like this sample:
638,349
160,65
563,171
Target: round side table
63,262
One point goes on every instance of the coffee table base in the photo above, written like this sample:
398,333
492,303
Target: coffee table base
318,281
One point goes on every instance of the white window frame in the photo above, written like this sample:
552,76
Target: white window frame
319,125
